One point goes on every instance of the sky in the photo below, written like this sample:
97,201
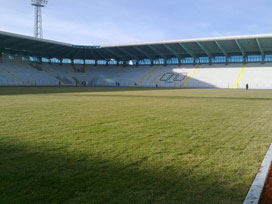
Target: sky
100,22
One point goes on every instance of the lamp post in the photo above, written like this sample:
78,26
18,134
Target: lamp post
38,4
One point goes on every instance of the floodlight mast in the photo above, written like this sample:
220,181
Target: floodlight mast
38,31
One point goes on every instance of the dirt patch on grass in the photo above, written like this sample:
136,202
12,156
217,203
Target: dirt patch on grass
266,197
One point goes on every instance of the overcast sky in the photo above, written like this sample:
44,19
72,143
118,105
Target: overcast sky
96,22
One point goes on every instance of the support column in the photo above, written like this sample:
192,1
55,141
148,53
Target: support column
84,66
179,61
244,59
39,60
95,63
227,61
165,62
61,62
137,63
152,63
124,63
194,62
210,61
73,65
107,63
263,57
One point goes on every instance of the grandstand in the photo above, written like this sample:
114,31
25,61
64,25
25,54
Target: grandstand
225,62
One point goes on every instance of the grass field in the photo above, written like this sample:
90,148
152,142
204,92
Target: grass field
107,145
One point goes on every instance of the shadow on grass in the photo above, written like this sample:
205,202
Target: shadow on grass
49,90
41,175
175,97
90,91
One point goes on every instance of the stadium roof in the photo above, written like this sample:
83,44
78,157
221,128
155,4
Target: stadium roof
204,47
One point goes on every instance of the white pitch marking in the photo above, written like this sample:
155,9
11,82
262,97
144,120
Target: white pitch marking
254,194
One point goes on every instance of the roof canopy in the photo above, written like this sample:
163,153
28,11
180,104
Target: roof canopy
205,47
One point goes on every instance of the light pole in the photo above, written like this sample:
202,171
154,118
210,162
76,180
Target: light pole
38,31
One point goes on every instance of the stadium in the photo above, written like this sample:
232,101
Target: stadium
177,121
226,62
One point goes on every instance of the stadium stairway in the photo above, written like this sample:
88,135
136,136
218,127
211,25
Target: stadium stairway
110,80
57,72
73,67
39,68
257,76
79,68
170,76
216,76
8,79
35,66
76,81
146,76
94,75
240,76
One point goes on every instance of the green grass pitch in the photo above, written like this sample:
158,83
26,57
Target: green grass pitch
108,145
